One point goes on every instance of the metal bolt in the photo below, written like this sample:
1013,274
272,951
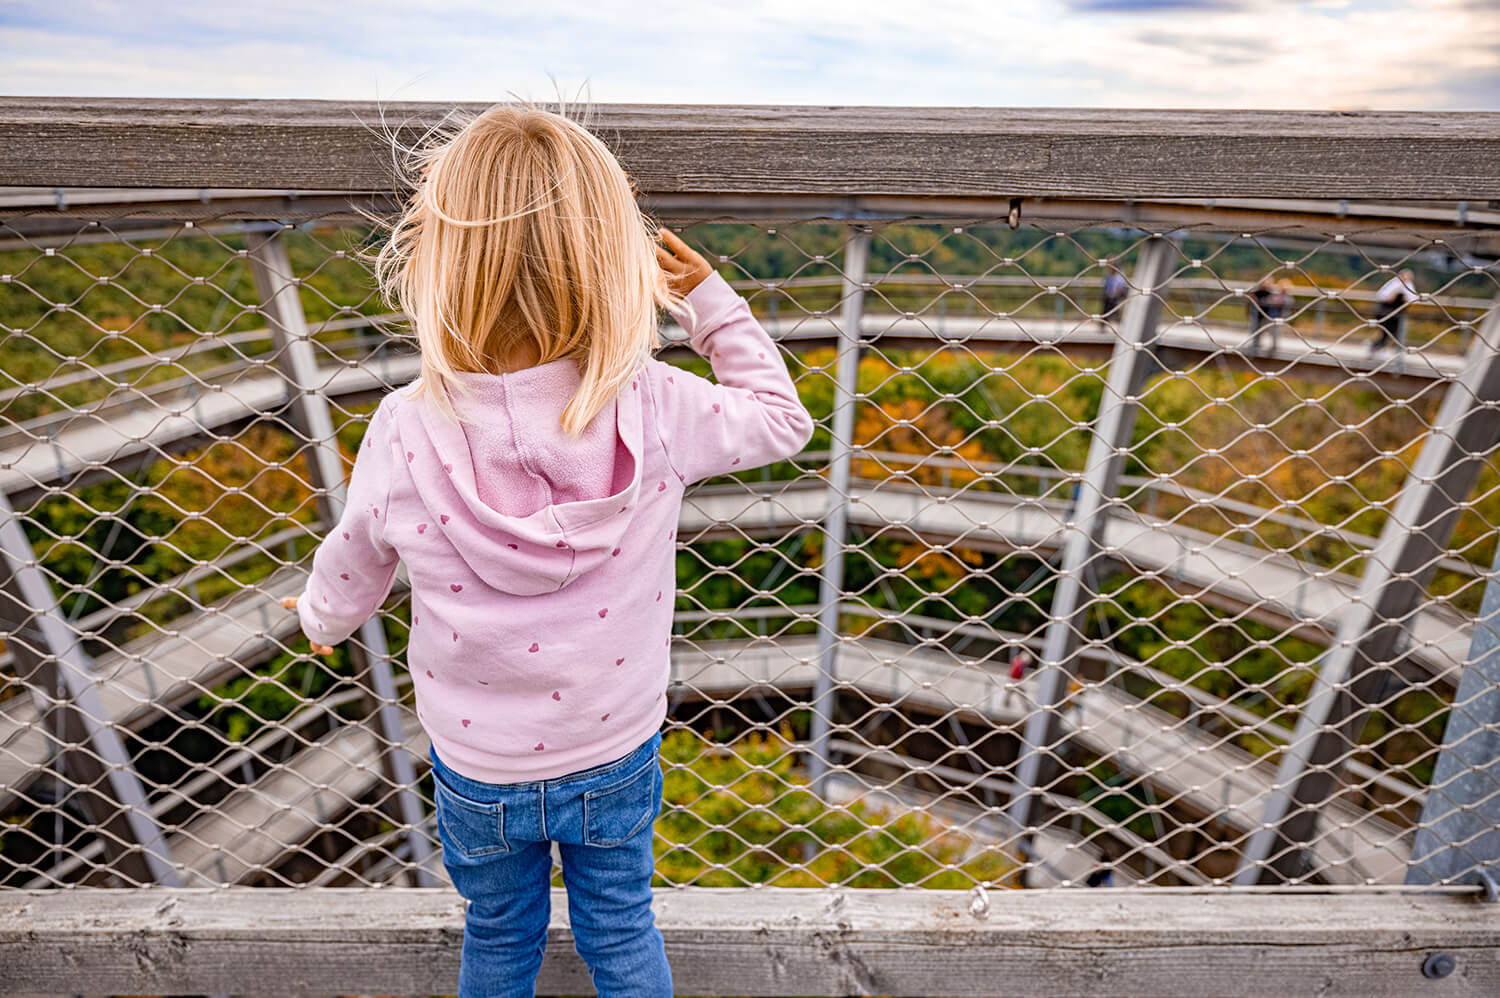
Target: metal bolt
1438,966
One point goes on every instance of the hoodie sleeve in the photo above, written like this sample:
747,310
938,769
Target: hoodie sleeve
751,417
354,568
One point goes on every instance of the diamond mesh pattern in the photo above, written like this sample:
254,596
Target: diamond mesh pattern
168,495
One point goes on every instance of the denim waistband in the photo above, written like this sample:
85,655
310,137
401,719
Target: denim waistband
460,782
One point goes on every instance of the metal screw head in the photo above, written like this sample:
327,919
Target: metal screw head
979,902
1438,965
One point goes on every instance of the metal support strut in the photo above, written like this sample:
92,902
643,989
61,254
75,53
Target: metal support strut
1131,362
836,515
1368,644
277,288
93,754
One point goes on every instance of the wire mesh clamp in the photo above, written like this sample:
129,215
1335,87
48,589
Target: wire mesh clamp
1013,217
1489,878
979,902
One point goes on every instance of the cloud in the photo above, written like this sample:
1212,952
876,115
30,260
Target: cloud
1087,53
1150,6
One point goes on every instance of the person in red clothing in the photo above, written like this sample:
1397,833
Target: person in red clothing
1018,663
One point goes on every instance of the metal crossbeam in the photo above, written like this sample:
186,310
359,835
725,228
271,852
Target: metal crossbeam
1369,640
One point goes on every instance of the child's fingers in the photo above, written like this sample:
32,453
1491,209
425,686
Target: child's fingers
289,602
323,649
669,263
673,240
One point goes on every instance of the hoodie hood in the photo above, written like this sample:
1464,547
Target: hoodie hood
527,507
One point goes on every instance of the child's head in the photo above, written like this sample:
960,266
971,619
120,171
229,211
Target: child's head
522,244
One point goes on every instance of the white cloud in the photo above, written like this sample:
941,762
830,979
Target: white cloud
1333,53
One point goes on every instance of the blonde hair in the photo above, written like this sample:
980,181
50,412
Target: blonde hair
523,231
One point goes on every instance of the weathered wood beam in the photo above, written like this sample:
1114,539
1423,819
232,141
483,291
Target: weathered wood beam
720,149
1104,942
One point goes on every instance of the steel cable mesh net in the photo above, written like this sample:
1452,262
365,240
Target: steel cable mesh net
167,493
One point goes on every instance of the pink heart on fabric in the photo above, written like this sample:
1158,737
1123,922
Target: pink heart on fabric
415,620
456,587
537,747
735,461
325,599
602,612
421,528
658,595
534,647
410,456
375,512
561,544
445,518
484,682
513,547
466,722
615,553
760,354
662,487
448,468
346,535
716,407
344,576
634,387
556,695
671,380
455,635
430,675
619,661
604,718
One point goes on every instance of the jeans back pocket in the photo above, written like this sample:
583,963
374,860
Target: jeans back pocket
614,813
473,829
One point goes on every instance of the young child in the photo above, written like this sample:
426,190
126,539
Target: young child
531,481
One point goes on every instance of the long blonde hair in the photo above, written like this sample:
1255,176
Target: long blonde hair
523,231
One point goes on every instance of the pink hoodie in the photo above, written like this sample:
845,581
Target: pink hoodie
543,567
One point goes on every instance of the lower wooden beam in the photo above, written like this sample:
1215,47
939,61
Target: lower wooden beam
1099,942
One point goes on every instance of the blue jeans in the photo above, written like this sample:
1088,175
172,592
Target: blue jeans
496,841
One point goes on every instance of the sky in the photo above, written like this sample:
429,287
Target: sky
1314,54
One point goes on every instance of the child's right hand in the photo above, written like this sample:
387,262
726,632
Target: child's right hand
684,266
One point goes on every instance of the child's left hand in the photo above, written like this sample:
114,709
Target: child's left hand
290,603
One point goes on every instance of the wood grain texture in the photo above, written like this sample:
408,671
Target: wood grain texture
1145,942
720,149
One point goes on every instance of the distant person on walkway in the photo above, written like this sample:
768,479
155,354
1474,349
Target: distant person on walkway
1390,301
531,481
1018,663
1260,296
1104,874
1115,290
1274,302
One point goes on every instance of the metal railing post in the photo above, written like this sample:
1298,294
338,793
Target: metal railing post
278,290
93,753
1459,831
1131,362
836,514
1414,540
